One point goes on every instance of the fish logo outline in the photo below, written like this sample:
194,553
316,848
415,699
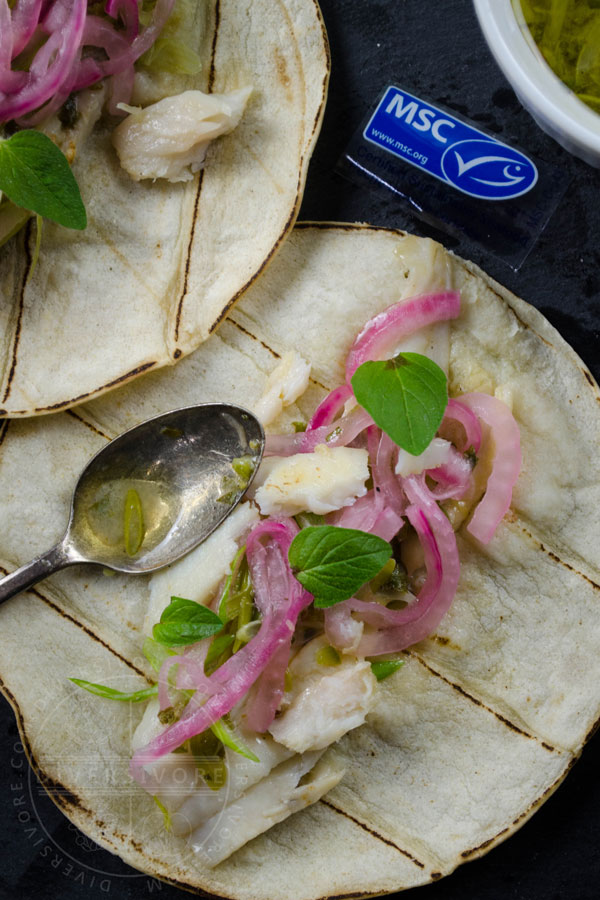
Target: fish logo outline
523,177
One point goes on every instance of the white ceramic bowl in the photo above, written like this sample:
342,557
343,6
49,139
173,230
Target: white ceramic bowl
555,108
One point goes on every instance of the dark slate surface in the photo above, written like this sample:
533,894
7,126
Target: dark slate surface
432,47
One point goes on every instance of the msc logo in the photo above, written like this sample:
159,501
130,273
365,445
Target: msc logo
448,148
489,169
425,117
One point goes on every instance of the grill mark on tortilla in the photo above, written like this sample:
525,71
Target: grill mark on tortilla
298,55
17,334
592,731
372,832
188,256
54,788
105,387
555,558
3,430
83,627
525,814
479,703
187,259
325,39
320,225
73,414
589,377
467,853
291,220
254,338
286,228
357,895
349,226
63,796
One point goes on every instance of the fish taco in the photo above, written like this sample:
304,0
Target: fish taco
178,224
388,649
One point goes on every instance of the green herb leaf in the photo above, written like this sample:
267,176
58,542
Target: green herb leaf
156,653
111,694
333,563
406,396
35,175
383,668
185,622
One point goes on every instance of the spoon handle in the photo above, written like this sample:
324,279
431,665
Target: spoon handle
34,571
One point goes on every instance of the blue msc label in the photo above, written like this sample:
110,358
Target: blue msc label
446,147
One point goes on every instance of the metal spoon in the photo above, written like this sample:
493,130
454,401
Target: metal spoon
180,467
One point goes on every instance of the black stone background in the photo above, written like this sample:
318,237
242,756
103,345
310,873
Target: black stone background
434,48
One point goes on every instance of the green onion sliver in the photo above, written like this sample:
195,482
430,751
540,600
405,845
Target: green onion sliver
229,739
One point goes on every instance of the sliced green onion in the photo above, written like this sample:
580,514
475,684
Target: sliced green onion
156,653
243,466
224,611
218,652
328,656
101,690
383,668
166,814
246,595
228,738
304,519
133,522
247,632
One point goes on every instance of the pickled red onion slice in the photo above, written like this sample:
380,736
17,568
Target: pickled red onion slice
504,432
190,676
51,64
24,19
281,601
384,478
461,413
453,477
362,514
127,11
339,434
408,626
384,331
328,409
57,67
268,691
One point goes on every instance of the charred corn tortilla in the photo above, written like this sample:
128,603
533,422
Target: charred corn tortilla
486,717
159,265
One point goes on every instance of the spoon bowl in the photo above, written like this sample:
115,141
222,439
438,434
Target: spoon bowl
155,492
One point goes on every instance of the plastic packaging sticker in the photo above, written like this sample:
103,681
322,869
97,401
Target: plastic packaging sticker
454,176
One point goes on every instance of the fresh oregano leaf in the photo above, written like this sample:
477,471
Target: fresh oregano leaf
383,668
36,176
111,694
406,396
333,563
185,622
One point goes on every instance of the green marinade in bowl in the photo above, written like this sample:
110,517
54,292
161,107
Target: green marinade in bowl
567,33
